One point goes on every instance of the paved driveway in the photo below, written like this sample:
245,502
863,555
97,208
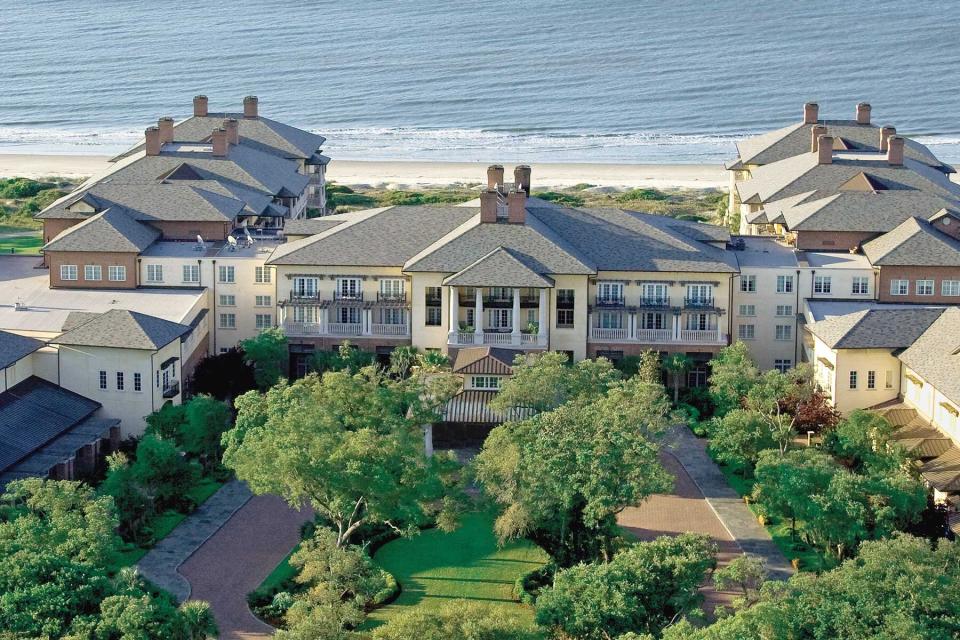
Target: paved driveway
236,559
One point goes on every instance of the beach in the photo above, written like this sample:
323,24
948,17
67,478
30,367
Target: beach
404,174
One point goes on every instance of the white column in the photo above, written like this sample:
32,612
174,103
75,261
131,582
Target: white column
324,318
718,327
478,317
543,319
454,312
367,321
632,318
515,333
676,326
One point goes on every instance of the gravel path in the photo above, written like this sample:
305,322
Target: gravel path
236,559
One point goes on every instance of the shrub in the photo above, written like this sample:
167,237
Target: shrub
641,194
567,199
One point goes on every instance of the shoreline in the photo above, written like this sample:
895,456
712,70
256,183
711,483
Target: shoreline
407,174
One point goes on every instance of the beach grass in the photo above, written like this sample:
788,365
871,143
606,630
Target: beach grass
435,567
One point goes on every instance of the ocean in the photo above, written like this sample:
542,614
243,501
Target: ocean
550,81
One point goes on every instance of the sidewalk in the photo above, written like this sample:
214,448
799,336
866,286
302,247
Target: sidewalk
729,507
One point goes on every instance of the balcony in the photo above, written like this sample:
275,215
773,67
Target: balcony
396,298
395,330
304,297
497,338
655,302
609,302
344,329
340,296
698,303
658,336
171,389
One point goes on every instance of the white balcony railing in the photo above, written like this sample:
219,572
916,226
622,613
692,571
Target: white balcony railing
389,330
609,334
658,336
497,338
345,328
698,336
654,335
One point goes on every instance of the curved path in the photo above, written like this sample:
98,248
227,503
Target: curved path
236,559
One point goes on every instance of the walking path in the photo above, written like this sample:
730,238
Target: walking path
160,564
736,516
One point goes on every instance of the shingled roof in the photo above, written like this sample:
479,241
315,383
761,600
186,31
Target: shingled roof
935,354
13,347
488,360
125,330
113,230
914,243
875,328
501,267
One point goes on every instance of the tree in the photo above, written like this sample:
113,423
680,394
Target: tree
815,414
460,619
864,440
739,437
677,364
269,354
773,396
562,476
163,472
548,380
223,376
351,445
732,373
339,583
167,421
206,420
785,484
133,504
641,590
347,358
745,574
402,359
650,367
896,588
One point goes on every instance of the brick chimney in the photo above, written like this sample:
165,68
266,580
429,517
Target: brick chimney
200,106
521,178
495,176
152,141
250,107
166,129
488,205
885,133
816,131
825,150
220,143
811,113
895,151
863,113
517,207
233,130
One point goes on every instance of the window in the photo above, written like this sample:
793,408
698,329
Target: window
950,288
348,288
853,379
137,382
745,331
861,285
261,275
654,293
611,320
471,312
348,315
899,287
154,273
565,297
226,274
565,318
434,317
888,379
784,284
784,310
699,293
748,310
822,284
485,382
103,380
227,300
784,332
501,318
871,379
698,322
117,273
391,288
391,316
433,295
783,364
748,284
228,321
652,320
305,314
119,380
263,301
92,272
68,272
610,292
304,287
924,287
263,321
191,273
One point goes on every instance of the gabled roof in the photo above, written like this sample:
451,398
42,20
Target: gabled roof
914,243
33,413
124,330
875,328
14,347
259,133
935,355
486,360
309,226
501,267
114,230
795,139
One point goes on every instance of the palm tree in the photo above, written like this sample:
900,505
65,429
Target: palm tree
677,364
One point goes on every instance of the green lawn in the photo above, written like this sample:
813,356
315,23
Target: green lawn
435,567
21,244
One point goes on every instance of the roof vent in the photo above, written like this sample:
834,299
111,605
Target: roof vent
20,306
